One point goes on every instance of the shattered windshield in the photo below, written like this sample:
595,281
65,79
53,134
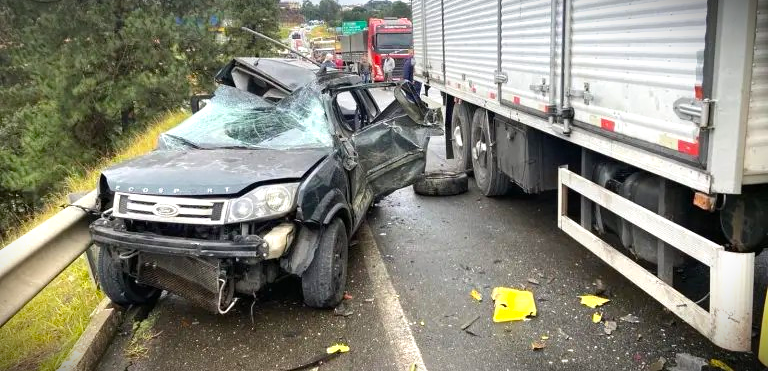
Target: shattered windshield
238,119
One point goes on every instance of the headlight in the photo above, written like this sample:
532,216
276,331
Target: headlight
264,201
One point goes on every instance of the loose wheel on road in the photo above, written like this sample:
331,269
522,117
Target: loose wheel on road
441,183
120,287
461,121
488,176
323,283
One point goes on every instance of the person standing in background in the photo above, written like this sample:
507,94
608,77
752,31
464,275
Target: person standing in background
339,63
408,67
388,67
365,70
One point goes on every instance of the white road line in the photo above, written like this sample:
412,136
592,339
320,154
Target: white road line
388,305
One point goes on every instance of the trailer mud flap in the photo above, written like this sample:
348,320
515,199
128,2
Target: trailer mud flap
728,323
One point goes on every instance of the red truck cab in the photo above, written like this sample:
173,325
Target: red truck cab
393,36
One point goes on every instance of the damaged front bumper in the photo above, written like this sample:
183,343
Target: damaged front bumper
112,233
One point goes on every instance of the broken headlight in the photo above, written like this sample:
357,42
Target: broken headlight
265,201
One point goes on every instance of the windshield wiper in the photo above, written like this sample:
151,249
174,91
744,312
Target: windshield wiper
186,142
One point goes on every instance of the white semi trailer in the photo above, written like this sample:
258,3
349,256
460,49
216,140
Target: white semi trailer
654,113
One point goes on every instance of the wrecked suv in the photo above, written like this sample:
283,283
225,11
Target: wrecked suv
270,178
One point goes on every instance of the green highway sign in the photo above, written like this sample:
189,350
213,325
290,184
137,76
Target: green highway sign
349,28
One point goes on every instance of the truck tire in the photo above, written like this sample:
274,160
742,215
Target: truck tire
121,288
488,177
324,281
461,123
441,183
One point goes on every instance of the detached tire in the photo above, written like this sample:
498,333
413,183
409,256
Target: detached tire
120,287
488,177
325,279
441,183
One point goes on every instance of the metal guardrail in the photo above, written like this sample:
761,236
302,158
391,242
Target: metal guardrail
31,262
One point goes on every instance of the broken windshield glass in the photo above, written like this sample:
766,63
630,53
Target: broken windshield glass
241,120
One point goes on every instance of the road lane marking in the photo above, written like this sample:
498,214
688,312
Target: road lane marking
388,305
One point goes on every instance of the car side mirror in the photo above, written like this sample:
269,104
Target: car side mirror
408,97
198,101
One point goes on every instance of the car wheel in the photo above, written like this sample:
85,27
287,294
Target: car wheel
325,279
488,176
461,122
441,183
120,287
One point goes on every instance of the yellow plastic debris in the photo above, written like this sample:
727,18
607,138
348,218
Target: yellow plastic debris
476,295
544,337
597,317
337,348
413,367
421,323
593,301
512,305
719,364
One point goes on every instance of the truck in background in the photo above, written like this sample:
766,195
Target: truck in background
653,113
393,36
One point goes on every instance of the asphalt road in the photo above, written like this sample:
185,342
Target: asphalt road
411,271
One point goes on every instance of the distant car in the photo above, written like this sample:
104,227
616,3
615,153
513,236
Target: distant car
272,176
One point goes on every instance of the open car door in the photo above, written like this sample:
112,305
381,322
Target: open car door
391,150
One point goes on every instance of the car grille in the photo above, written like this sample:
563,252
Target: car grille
170,209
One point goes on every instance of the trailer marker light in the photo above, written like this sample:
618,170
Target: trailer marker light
516,99
492,95
699,91
607,124
690,148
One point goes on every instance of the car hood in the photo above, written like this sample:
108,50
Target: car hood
209,172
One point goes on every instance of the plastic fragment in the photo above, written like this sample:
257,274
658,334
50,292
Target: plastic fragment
597,317
347,296
538,345
609,327
544,337
476,295
337,348
470,322
421,323
719,364
593,301
533,281
631,318
563,334
413,367
512,305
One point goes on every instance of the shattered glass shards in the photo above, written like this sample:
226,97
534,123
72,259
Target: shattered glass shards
238,119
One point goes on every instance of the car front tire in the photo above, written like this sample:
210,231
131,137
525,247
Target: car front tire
324,281
120,287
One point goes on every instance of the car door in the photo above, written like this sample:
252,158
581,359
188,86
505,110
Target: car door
390,147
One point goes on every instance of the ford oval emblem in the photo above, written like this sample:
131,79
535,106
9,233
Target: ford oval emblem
165,210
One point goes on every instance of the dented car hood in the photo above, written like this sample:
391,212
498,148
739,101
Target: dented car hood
209,172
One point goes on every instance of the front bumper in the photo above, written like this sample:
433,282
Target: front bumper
109,232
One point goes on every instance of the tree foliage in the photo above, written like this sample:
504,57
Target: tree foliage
329,11
75,75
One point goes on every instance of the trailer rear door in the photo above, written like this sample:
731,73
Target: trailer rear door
631,62
525,51
471,50
433,17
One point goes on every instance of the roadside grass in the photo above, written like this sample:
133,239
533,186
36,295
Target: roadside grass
320,31
41,335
